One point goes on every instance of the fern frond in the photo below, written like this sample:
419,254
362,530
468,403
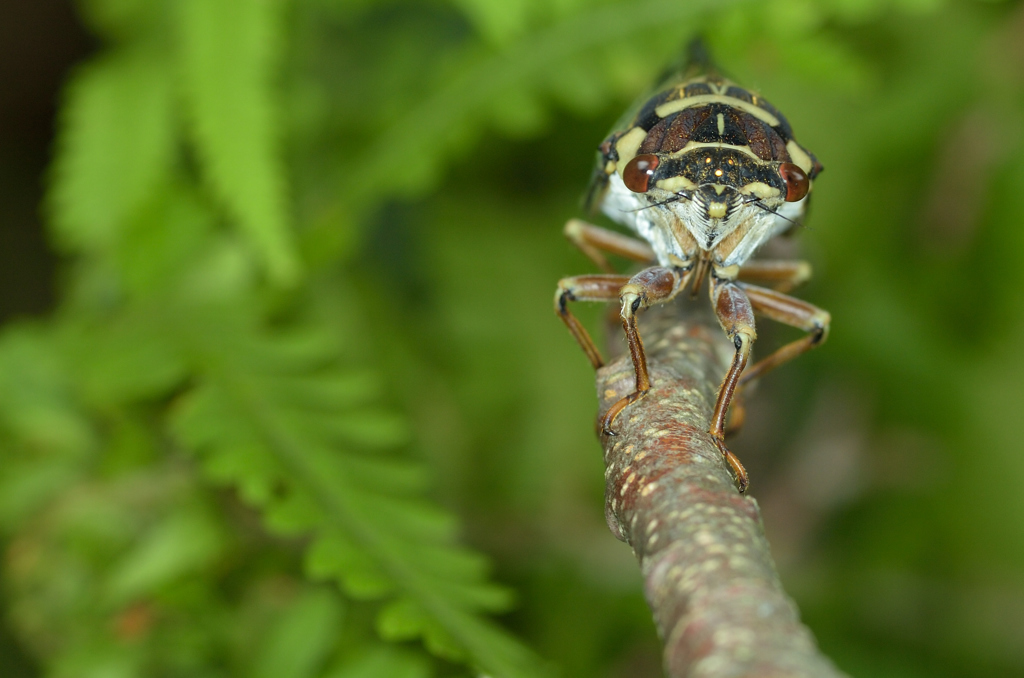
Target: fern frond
228,50
318,471
115,145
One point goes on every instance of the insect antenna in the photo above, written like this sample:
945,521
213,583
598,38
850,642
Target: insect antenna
676,198
757,201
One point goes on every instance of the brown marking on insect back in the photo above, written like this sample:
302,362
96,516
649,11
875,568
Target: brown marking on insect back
783,127
685,125
778,144
673,133
707,132
755,132
744,129
652,143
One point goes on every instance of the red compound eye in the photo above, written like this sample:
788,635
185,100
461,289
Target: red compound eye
797,183
638,171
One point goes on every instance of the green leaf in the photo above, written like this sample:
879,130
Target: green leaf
182,542
37,406
383,662
115,145
229,52
333,555
121,358
302,638
160,245
402,619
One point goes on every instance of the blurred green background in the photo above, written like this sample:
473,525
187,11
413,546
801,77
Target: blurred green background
282,394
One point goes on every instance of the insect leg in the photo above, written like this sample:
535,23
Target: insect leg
593,240
790,311
651,286
780,275
586,288
736,316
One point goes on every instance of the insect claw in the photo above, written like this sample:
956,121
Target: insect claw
738,471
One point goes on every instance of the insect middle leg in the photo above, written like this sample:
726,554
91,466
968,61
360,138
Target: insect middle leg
782,276
648,287
593,240
790,311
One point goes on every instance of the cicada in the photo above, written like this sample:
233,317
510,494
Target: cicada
704,172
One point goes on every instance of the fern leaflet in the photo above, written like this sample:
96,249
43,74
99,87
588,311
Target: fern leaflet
322,471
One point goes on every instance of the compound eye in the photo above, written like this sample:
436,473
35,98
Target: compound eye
638,171
797,183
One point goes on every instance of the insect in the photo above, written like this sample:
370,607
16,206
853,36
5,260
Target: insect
705,172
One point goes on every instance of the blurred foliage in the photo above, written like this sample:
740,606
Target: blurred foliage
309,249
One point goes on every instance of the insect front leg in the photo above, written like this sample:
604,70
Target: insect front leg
736,316
790,311
586,288
593,240
651,286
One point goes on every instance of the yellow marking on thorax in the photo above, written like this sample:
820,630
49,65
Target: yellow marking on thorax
670,107
690,145
721,124
628,144
799,157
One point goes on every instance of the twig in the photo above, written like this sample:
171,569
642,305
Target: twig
708,573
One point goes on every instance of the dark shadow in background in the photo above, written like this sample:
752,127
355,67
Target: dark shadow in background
39,42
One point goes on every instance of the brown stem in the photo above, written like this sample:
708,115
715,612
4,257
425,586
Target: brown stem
708,573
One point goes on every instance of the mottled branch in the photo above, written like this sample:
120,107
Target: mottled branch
709,576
